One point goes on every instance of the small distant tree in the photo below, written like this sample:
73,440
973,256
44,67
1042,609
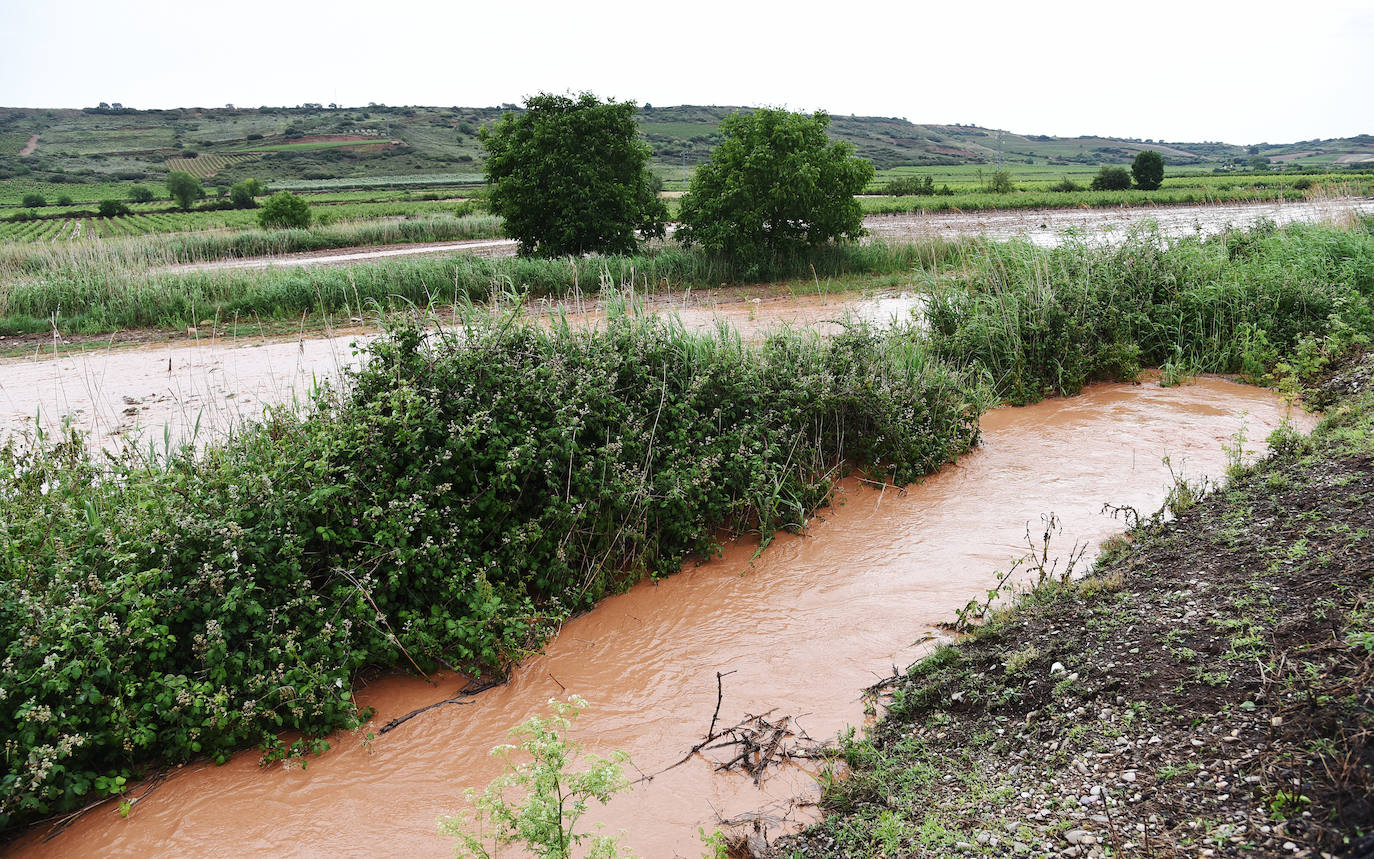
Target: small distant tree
184,188
112,209
1111,179
775,186
1001,183
1148,170
284,209
571,176
34,201
243,194
64,200
140,194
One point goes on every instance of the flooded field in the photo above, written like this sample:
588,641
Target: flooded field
201,389
1051,227
804,627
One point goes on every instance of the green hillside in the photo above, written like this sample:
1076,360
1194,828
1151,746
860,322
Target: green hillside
331,147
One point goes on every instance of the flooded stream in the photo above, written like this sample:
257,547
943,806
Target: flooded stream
805,626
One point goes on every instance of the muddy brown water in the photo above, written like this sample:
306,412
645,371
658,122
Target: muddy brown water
804,626
202,388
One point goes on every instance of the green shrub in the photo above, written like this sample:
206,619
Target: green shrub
140,194
34,201
284,210
1111,179
112,209
1148,170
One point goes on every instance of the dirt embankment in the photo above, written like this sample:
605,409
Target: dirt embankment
29,147
1209,691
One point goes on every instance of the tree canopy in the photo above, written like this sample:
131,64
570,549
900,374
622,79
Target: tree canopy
571,176
284,209
184,188
776,185
1111,179
1148,170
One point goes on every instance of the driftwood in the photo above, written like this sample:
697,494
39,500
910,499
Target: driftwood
755,742
472,688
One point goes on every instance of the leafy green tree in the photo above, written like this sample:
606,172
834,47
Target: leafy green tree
775,186
284,209
34,201
242,195
112,209
553,797
140,194
64,200
1148,170
1111,179
572,176
184,188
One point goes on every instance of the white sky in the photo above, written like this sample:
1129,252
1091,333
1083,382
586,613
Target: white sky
1241,72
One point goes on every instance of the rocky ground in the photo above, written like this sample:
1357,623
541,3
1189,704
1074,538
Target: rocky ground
1207,691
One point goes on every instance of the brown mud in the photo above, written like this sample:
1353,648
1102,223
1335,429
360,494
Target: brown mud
804,626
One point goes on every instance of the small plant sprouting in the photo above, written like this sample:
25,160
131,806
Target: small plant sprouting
553,797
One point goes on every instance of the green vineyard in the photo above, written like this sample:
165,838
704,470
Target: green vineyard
207,164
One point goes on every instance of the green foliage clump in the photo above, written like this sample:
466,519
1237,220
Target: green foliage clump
140,194
243,194
554,798
64,200
1001,183
466,495
184,188
572,177
33,201
775,187
112,209
1111,179
903,186
1148,170
284,210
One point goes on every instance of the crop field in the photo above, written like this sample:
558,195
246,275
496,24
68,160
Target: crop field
206,165
400,180
308,145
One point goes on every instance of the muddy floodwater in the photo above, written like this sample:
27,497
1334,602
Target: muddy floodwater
202,388
804,627
1052,227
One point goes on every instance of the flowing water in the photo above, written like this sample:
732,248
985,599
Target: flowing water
804,627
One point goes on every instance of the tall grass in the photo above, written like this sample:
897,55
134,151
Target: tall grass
129,256
91,295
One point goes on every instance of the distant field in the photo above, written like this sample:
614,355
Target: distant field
312,145
207,164
422,180
140,223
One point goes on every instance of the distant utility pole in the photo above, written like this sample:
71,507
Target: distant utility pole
684,169
999,150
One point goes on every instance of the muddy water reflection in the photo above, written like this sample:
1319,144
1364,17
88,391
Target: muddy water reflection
805,626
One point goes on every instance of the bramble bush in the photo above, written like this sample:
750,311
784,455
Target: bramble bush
462,497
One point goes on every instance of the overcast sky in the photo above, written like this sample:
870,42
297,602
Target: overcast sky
1183,71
